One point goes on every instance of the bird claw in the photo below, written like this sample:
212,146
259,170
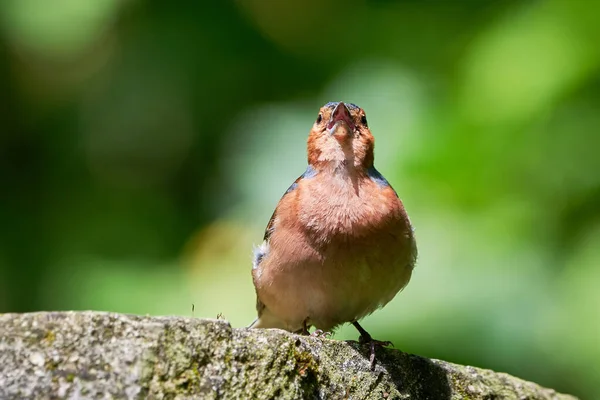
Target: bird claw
320,334
365,338
379,343
372,345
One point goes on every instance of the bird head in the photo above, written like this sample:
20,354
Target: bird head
340,136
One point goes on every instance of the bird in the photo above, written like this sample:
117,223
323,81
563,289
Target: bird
340,244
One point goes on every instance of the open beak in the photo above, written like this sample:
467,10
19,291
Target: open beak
340,115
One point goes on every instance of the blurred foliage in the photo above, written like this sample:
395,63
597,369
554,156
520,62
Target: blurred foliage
145,144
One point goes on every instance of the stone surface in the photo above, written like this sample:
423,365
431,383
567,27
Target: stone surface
80,355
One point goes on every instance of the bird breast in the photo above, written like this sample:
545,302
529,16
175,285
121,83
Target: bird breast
349,209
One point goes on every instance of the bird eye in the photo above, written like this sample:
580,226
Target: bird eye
363,120
319,118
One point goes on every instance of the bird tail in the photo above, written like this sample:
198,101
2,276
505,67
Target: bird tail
255,324
267,320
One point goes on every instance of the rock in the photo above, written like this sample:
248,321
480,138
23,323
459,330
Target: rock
80,355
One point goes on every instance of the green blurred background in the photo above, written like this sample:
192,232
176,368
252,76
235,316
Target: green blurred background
144,146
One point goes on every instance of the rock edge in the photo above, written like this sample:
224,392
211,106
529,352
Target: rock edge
79,355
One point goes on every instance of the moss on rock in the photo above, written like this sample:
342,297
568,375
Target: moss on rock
93,355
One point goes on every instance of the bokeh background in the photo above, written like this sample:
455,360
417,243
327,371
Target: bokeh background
144,146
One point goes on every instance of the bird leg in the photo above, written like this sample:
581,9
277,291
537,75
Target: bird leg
305,327
365,338
305,331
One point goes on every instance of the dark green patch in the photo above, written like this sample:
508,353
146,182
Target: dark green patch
307,369
51,365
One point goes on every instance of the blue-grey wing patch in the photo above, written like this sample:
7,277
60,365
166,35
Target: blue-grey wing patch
379,179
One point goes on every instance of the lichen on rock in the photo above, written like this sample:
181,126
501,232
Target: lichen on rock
102,355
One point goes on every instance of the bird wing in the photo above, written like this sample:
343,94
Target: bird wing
309,173
265,318
379,179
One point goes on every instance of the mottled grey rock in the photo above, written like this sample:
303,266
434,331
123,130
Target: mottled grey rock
81,355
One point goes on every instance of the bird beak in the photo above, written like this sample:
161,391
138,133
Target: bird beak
340,115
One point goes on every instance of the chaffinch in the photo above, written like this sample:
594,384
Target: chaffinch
339,244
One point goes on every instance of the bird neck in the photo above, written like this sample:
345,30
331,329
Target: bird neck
339,160
340,168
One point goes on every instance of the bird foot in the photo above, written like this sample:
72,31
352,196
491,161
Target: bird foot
366,339
372,343
320,334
